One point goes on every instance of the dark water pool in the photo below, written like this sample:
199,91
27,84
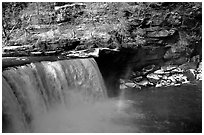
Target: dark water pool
153,110
172,109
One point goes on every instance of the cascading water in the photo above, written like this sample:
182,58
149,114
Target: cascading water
33,90
60,96
70,96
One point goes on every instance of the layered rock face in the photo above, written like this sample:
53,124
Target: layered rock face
159,51
151,44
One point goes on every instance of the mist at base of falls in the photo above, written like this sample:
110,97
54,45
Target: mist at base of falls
78,116
60,96
70,96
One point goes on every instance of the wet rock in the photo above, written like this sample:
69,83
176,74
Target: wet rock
161,83
154,78
177,70
168,68
200,66
164,77
36,53
172,75
199,76
50,52
199,72
158,85
148,69
185,80
143,83
123,86
181,78
172,79
190,74
159,71
137,79
130,84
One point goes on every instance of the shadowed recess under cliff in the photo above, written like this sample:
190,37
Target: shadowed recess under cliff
33,90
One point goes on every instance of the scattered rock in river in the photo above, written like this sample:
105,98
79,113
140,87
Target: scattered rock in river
143,83
159,71
190,74
125,85
153,77
169,76
199,72
139,78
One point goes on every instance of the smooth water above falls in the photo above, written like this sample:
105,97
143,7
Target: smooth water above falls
70,96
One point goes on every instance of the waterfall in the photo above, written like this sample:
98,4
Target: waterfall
34,89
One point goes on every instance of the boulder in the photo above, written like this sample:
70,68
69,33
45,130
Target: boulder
158,84
154,78
36,53
148,68
168,68
199,76
130,84
161,83
177,70
177,84
137,79
160,71
143,83
178,77
199,72
160,76
168,82
123,86
164,77
172,79
199,66
190,74
185,80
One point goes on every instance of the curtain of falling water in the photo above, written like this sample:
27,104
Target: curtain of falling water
31,90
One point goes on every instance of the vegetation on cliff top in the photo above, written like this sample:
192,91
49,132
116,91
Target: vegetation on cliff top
104,24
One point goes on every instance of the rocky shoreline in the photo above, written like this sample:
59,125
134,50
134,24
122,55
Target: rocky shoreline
172,75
